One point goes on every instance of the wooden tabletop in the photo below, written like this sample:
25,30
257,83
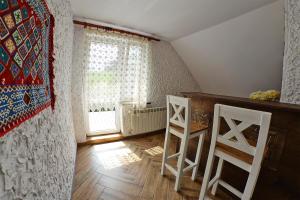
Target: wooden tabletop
224,98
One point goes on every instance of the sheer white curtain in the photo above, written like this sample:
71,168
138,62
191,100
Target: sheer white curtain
115,70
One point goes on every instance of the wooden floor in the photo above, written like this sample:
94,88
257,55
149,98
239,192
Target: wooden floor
130,170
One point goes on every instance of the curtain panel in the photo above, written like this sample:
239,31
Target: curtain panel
116,69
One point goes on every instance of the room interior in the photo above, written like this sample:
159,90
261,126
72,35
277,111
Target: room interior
149,100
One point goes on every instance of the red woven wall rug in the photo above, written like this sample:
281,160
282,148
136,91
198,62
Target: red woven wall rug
26,61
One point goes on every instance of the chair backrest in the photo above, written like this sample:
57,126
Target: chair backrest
235,138
179,111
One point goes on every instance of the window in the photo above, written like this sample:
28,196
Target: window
117,70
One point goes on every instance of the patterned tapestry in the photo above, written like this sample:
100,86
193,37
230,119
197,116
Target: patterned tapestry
26,69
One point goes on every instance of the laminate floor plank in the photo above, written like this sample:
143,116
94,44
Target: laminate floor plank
117,185
110,194
89,189
129,170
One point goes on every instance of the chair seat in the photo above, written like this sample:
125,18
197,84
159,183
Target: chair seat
240,155
195,127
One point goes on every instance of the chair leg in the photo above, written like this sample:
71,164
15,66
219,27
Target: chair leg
198,156
181,160
218,174
166,151
251,182
207,174
180,139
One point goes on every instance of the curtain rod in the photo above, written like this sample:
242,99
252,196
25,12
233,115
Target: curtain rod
85,24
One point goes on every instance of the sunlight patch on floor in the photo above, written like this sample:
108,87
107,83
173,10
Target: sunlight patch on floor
109,146
155,151
115,157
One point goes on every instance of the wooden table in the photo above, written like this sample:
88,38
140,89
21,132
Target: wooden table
283,164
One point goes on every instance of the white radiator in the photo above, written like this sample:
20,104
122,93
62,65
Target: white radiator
136,121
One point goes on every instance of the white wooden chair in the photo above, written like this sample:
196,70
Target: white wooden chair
179,124
234,148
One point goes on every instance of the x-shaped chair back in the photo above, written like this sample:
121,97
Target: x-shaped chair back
178,110
235,138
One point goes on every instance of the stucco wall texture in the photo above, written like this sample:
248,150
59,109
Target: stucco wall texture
291,66
37,158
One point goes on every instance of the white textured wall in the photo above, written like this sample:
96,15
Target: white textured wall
77,85
37,158
291,69
168,75
239,56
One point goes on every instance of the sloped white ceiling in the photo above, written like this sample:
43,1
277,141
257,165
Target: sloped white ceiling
239,56
168,19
